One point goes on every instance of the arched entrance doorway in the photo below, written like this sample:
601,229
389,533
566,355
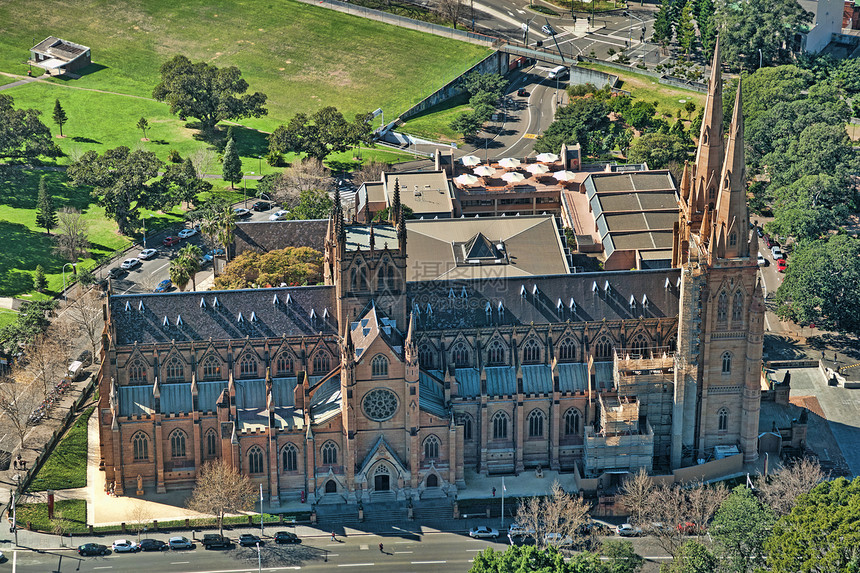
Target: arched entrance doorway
331,486
382,479
432,481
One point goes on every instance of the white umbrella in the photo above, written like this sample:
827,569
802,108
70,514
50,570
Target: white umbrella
509,163
564,175
513,177
466,179
547,157
537,168
470,160
484,171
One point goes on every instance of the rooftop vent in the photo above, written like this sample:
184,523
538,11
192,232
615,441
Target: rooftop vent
178,320
240,318
202,302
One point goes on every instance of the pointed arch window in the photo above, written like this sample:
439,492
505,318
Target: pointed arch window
140,446
137,372
738,307
321,362
733,239
358,277
536,419
379,365
211,443
431,448
460,355
174,372
571,422
211,368
500,426
722,307
467,427
177,444
425,356
639,344
284,365
723,420
329,453
567,350
255,460
727,363
672,344
248,366
290,458
603,349
531,352
496,354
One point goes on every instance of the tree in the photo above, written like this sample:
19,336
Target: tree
820,533
60,117
189,257
140,516
39,280
45,362
46,214
740,527
17,401
313,204
22,133
85,313
686,30
180,184
670,505
780,490
635,495
231,167
371,170
221,489
584,121
292,266
692,557
308,175
747,27
324,132
559,512
31,321
179,274
822,284
143,125
122,182
384,215
522,559
361,131
658,150
207,93
690,107
663,24
476,82
218,221
72,238
467,123
451,10
620,557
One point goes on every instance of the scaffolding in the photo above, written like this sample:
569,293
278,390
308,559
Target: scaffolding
622,443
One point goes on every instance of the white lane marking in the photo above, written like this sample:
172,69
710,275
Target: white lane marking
427,562
108,567
363,547
510,13
520,11
474,550
356,564
180,562
402,552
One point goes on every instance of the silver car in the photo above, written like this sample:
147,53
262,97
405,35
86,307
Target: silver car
483,532
129,264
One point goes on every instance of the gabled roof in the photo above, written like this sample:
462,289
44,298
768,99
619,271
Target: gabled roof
265,236
372,326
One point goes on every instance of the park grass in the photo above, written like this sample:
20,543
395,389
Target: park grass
651,90
7,317
66,467
302,56
73,512
435,122
6,80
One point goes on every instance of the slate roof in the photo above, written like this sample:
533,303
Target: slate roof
153,318
136,400
544,299
432,395
370,326
326,400
264,236
208,393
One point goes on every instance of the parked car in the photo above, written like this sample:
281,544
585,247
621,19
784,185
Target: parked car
781,265
216,252
548,30
147,254
557,539
185,233
262,206
760,232
689,528
762,262
483,532
164,286
249,540
92,549
129,264
153,545
180,543
116,272
125,546
213,540
522,92
287,537
776,252
278,215
627,530
517,530
241,212
170,241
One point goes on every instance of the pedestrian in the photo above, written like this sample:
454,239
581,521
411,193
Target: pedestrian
494,492
332,536
380,548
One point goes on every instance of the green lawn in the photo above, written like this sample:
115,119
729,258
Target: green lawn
73,512
434,123
7,317
66,467
649,89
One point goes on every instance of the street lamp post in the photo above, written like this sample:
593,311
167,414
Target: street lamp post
526,29
259,560
73,265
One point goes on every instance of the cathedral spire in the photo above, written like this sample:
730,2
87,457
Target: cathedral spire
401,231
685,183
394,215
731,211
710,152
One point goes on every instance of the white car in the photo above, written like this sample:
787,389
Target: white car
483,532
776,252
147,254
185,233
278,215
557,539
180,543
129,264
125,546
762,262
627,530
517,530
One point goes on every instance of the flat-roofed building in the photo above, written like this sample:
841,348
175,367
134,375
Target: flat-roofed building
428,194
59,56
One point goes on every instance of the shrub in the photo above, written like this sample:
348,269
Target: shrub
39,280
173,156
274,159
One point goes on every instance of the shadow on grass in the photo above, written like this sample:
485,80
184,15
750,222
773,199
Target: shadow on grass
159,141
453,102
87,71
340,165
21,189
249,142
79,139
23,251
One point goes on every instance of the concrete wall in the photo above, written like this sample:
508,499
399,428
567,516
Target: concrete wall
585,76
828,21
663,79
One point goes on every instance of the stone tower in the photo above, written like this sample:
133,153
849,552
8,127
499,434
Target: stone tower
721,315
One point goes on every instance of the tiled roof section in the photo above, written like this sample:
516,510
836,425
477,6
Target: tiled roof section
135,400
365,330
501,381
153,318
283,392
603,375
250,394
544,300
326,400
572,377
469,382
175,398
432,395
208,394
537,379
264,236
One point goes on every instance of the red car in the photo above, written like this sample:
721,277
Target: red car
170,241
781,265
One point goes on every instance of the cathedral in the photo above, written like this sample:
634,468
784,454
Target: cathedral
439,349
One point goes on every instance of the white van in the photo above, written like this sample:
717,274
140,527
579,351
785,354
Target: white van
558,72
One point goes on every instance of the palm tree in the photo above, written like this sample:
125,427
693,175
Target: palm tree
189,255
219,225
179,273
